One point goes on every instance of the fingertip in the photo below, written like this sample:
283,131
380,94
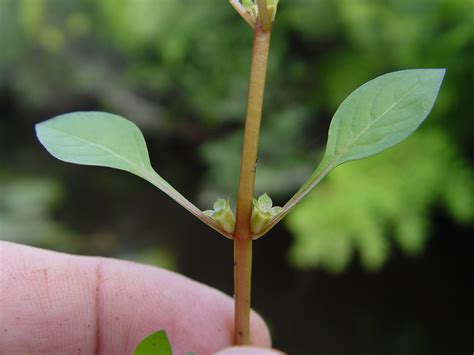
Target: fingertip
260,334
248,350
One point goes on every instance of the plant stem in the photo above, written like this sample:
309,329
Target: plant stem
242,234
242,282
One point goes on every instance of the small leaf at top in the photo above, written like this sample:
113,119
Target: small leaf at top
104,139
245,11
376,116
154,344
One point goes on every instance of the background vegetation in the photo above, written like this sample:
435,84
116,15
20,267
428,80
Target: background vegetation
179,69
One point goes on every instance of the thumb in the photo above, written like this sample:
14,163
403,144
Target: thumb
248,350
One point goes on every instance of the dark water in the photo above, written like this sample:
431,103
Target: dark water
417,307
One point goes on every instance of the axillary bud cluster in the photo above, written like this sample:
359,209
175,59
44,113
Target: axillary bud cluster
222,214
262,214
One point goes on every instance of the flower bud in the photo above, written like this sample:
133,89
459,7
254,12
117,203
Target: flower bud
263,213
222,214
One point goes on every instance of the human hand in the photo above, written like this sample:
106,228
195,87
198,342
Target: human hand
58,303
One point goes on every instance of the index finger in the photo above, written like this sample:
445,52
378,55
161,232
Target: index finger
58,303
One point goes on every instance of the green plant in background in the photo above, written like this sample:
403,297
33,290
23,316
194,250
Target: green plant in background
361,204
30,199
376,116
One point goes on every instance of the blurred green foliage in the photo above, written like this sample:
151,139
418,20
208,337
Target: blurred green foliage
365,204
25,215
180,69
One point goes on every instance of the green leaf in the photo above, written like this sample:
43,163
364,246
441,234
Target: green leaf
376,116
104,139
154,344
381,113
96,138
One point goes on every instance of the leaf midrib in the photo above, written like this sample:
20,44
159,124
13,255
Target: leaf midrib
149,175
363,131
120,157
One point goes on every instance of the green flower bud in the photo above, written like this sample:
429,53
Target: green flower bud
263,212
222,214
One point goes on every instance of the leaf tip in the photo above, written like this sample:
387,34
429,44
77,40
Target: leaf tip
40,135
438,73
37,128
441,72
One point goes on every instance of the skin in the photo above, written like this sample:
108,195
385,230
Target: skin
53,303
247,350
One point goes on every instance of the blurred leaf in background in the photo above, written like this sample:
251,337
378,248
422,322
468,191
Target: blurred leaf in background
371,205
25,213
